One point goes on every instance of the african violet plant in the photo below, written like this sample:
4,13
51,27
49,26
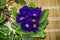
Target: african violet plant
28,23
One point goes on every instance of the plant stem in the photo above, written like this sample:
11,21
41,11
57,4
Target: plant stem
21,37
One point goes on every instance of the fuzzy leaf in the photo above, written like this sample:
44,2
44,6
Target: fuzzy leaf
13,36
2,18
17,37
18,31
43,25
27,37
3,31
15,25
13,12
3,38
2,4
32,5
13,9
44,15
17,28
39,34
22,2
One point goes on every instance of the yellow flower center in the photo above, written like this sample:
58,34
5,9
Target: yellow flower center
34,25
21,18
27,25
34,14
33,20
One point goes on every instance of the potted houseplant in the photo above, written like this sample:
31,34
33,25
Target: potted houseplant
27,24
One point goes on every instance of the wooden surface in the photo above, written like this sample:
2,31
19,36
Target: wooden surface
53,28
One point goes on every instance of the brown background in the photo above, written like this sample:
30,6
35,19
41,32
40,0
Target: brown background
54,17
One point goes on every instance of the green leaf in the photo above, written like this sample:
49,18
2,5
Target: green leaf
22,2
32,5
1,15
13,12
15,25
39,34
3,31
17,37
43,25
2,18
2,4
13,9
3,38
44,15
13,36
17,28
20,31
27,37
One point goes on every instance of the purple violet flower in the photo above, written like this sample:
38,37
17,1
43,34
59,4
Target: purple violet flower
27,25
24,10
35,26
20,18
28,17
35,13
